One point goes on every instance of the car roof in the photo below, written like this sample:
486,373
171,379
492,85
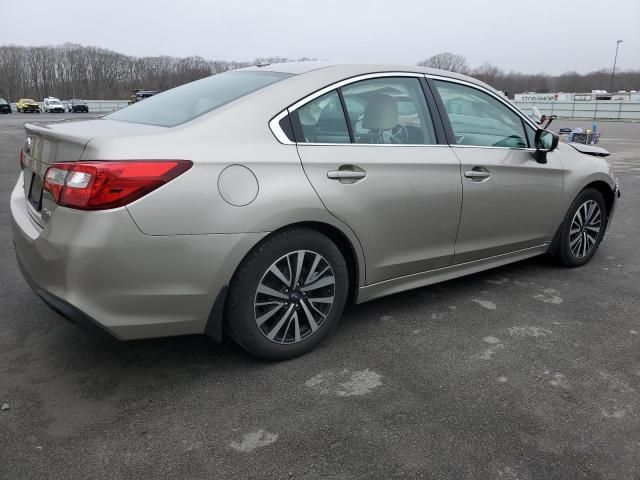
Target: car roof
352,69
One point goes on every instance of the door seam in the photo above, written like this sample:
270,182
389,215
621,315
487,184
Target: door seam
364,257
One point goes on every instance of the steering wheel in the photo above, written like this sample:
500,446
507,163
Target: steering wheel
399,134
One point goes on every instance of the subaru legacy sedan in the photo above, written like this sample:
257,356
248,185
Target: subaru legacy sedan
255,204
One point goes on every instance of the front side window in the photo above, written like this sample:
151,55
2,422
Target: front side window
479,119
184,103
388,111
322,120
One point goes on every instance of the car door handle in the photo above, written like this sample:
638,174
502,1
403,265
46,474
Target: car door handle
477,174
346,174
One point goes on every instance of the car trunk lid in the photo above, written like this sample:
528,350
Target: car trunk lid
65,141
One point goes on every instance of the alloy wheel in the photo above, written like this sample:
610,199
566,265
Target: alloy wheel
294,297
585,229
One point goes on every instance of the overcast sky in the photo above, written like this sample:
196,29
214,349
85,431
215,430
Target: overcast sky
536,36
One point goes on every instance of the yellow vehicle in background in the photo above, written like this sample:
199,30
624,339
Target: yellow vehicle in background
25,105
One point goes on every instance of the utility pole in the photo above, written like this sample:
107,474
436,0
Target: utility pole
615,59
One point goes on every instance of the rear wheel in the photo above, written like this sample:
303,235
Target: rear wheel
287,294
582,229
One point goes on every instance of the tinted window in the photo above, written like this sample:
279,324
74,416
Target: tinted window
388,110
189,101
479,119
322,121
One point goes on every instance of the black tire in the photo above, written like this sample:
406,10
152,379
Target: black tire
564,253
240,314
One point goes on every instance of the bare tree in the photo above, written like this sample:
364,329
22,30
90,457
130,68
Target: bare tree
447,61
77,71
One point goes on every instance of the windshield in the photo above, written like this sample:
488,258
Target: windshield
184,103
2,100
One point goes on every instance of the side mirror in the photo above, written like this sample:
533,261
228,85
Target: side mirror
545,141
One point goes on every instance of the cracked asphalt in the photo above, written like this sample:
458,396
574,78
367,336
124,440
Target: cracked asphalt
528,371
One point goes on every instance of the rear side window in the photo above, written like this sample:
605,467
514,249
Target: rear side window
184,103
389,111
322,120
479,119
377,111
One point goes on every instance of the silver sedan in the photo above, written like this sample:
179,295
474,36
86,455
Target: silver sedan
257,203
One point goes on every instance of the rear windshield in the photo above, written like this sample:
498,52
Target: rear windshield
184,103
2,100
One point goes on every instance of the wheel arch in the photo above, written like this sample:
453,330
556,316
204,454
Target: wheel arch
605,189
348,246
609,198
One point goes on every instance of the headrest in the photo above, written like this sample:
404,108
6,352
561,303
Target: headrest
381,113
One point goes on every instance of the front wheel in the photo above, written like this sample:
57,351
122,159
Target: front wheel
582,229
287,294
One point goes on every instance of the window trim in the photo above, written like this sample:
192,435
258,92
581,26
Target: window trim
445,118
438,114
282,138
345,112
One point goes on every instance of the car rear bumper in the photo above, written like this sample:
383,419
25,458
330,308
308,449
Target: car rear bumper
62,307
98,268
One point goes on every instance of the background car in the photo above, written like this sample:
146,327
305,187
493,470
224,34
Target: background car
139,95
75,105
27,105
257,203
53,105
5,107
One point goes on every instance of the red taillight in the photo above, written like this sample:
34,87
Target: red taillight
103,185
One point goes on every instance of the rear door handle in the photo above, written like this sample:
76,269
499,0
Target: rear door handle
477,174
346,174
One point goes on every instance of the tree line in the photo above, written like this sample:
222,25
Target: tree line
516,82
77,71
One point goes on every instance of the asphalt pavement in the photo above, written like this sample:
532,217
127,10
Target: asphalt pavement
528,371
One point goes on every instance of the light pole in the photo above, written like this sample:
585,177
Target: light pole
615,59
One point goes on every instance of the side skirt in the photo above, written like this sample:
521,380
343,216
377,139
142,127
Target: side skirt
416,280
